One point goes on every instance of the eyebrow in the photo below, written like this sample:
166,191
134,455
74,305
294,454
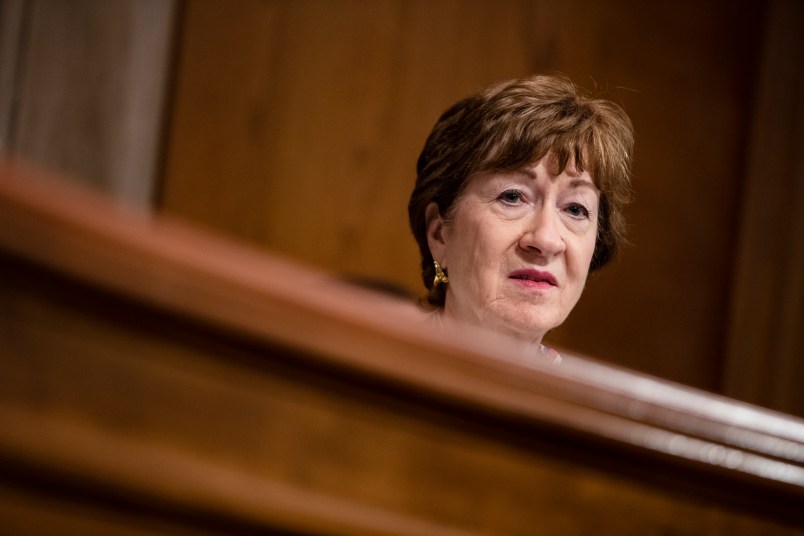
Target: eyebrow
576,183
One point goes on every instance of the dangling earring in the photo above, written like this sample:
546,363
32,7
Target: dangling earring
440,276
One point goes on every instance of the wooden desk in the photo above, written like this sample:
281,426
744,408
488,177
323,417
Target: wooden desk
158,379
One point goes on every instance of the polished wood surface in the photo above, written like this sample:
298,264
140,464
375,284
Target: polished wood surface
155,378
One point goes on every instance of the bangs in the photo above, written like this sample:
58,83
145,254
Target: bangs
584,142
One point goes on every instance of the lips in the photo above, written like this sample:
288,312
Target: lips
534,277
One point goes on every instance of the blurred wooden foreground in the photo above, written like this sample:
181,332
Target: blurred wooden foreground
157,379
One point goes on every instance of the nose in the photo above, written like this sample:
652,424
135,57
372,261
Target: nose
542,233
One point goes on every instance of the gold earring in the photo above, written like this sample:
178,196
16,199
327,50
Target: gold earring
440,276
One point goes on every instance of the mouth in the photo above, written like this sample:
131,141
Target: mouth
534,277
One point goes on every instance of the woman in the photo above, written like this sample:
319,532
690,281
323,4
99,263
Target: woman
519,194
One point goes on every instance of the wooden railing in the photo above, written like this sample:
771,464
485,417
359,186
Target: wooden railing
156,378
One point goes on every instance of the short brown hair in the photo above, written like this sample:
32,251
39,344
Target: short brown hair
516,123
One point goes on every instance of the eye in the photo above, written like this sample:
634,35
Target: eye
511,197
577,211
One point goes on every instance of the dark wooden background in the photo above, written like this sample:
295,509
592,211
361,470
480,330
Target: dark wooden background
295,125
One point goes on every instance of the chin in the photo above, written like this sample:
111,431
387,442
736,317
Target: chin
524,326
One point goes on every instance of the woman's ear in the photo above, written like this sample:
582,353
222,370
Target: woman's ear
435,233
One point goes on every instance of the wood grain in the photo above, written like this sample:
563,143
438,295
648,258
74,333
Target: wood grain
153,370
765,340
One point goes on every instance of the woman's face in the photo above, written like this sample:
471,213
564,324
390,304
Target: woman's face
517,248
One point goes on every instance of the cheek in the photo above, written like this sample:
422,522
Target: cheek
474,250
584,252
464,252
591,243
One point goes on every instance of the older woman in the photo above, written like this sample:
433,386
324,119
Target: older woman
519,194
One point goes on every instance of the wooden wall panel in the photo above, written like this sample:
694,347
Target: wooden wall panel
766,338
11,24
296,126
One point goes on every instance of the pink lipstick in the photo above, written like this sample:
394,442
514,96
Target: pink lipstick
533,278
